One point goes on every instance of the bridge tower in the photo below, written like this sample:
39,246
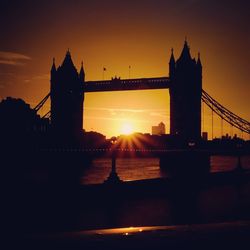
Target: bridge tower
185,96
67,96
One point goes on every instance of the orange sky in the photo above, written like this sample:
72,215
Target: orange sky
116,34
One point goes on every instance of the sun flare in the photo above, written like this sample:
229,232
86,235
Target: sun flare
127,128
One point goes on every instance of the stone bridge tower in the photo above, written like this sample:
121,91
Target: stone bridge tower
185,96
67,98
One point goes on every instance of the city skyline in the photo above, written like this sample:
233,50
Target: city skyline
131,40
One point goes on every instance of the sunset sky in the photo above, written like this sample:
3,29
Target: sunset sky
115,34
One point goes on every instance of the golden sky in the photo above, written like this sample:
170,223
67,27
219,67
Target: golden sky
116,34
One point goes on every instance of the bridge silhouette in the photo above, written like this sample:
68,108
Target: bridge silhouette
158,83
118,84
186,94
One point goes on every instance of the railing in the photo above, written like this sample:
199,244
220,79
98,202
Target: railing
145,151
117,84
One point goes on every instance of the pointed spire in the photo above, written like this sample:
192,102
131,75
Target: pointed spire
172,59
67,62
172,64
68,55
82,73
185,54
53,67
199,60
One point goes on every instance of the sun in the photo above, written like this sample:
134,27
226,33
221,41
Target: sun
127,128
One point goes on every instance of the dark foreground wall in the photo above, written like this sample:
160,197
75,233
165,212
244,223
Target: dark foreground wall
221,197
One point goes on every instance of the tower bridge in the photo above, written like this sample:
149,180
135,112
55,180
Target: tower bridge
184,82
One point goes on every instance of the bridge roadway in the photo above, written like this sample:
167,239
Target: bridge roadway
117,84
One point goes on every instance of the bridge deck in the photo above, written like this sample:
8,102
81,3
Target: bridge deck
118,84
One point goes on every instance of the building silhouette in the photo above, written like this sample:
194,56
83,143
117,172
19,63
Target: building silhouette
67,98
159,130
185,95
205,136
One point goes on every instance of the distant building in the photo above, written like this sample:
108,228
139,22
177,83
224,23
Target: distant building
159,130
205,136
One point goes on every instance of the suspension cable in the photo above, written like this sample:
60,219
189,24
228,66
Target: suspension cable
41,103
226,114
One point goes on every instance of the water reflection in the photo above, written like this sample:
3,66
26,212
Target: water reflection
126,230
130,169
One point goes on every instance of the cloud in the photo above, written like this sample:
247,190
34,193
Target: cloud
42,77
115,119
6,74
115,110
160,114
37,78
153,112
11,58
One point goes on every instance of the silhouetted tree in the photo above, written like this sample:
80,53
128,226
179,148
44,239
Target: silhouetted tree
17,116
19,121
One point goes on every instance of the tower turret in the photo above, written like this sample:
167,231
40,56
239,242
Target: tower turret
199,65
53,72
199,68
67,98
82,73
185,97
172,64
67,62
185,54
53,67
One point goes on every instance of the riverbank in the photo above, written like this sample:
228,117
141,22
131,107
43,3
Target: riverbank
230,235
220,197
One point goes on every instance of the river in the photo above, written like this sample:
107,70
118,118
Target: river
130,169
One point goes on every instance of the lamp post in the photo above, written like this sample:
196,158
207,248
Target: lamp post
113,176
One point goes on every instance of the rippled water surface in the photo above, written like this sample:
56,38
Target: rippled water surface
148,168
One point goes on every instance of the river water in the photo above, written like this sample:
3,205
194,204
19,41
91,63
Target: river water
130,169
